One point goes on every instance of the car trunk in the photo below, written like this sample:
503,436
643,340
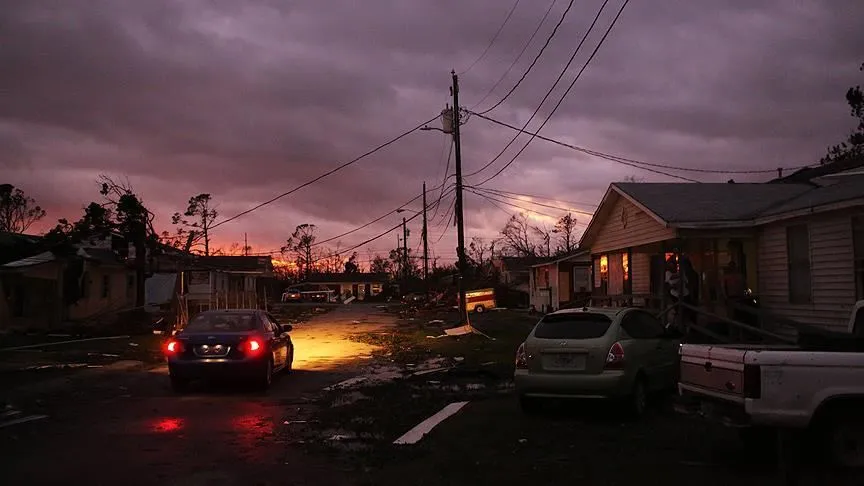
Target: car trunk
212,344
569,355
570,343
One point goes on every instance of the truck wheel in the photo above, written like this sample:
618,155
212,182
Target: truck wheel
479,309
846,441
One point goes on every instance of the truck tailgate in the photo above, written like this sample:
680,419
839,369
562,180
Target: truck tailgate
715,369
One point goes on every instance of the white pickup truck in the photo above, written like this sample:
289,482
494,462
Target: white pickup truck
816,386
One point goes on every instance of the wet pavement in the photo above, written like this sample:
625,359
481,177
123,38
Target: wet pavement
125,426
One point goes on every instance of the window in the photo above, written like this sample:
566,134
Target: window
858,255
639,325
222,321
798,256
106,286
578,325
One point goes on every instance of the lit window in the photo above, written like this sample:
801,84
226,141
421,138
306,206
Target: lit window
625,265
604,264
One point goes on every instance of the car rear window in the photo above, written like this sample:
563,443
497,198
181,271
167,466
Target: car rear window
222,322
573,326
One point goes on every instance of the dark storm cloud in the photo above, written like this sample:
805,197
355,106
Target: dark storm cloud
246,100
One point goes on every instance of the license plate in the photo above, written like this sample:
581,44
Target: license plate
210,350
565,361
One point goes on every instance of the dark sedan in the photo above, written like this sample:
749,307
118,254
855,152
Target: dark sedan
223,344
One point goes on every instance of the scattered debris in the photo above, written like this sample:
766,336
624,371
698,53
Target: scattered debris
104,355
347,383
63,342
523,441
475,386
459,358
414,435
134,345
459,331
292,422
349,300
431,370
488,363
348,399
355,322
436,322
55,366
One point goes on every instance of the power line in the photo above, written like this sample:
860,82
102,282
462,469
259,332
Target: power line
444,180
515,61
577,211
381,235
494,37
548,93
537,57
631,162
510,204
567,91
547,198
328,173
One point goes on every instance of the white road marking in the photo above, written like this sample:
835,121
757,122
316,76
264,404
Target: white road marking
424,427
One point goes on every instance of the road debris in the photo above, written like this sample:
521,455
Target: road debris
418,432
40,345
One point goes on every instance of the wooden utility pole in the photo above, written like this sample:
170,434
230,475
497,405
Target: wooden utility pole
245,245
460,222
425,245
405,261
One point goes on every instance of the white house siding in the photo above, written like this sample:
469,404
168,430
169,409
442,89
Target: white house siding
640,229
832,278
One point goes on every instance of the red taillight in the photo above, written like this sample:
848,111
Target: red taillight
521,358
173,347
615,357
253,346
752,381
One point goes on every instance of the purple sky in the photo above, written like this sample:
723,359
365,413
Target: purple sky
246,100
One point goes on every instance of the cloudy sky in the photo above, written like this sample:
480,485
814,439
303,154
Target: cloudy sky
248,99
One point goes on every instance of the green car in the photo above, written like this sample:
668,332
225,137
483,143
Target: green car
597,353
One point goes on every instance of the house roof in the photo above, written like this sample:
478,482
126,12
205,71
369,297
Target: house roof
685,202
706,205
806,175
252,264
333,278
563,258
520,264
41,258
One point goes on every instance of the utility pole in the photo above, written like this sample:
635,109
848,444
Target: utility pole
425,246
460,223
245,245
405,261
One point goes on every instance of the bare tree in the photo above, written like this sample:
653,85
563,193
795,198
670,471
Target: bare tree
234,249
565,228
545,235
17,211
351,265
301,246
196,221
517,236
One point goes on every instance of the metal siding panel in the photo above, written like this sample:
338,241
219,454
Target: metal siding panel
833,284
641,229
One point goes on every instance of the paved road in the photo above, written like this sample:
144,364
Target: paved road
127,427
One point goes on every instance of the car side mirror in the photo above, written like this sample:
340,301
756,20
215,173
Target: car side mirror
287,328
